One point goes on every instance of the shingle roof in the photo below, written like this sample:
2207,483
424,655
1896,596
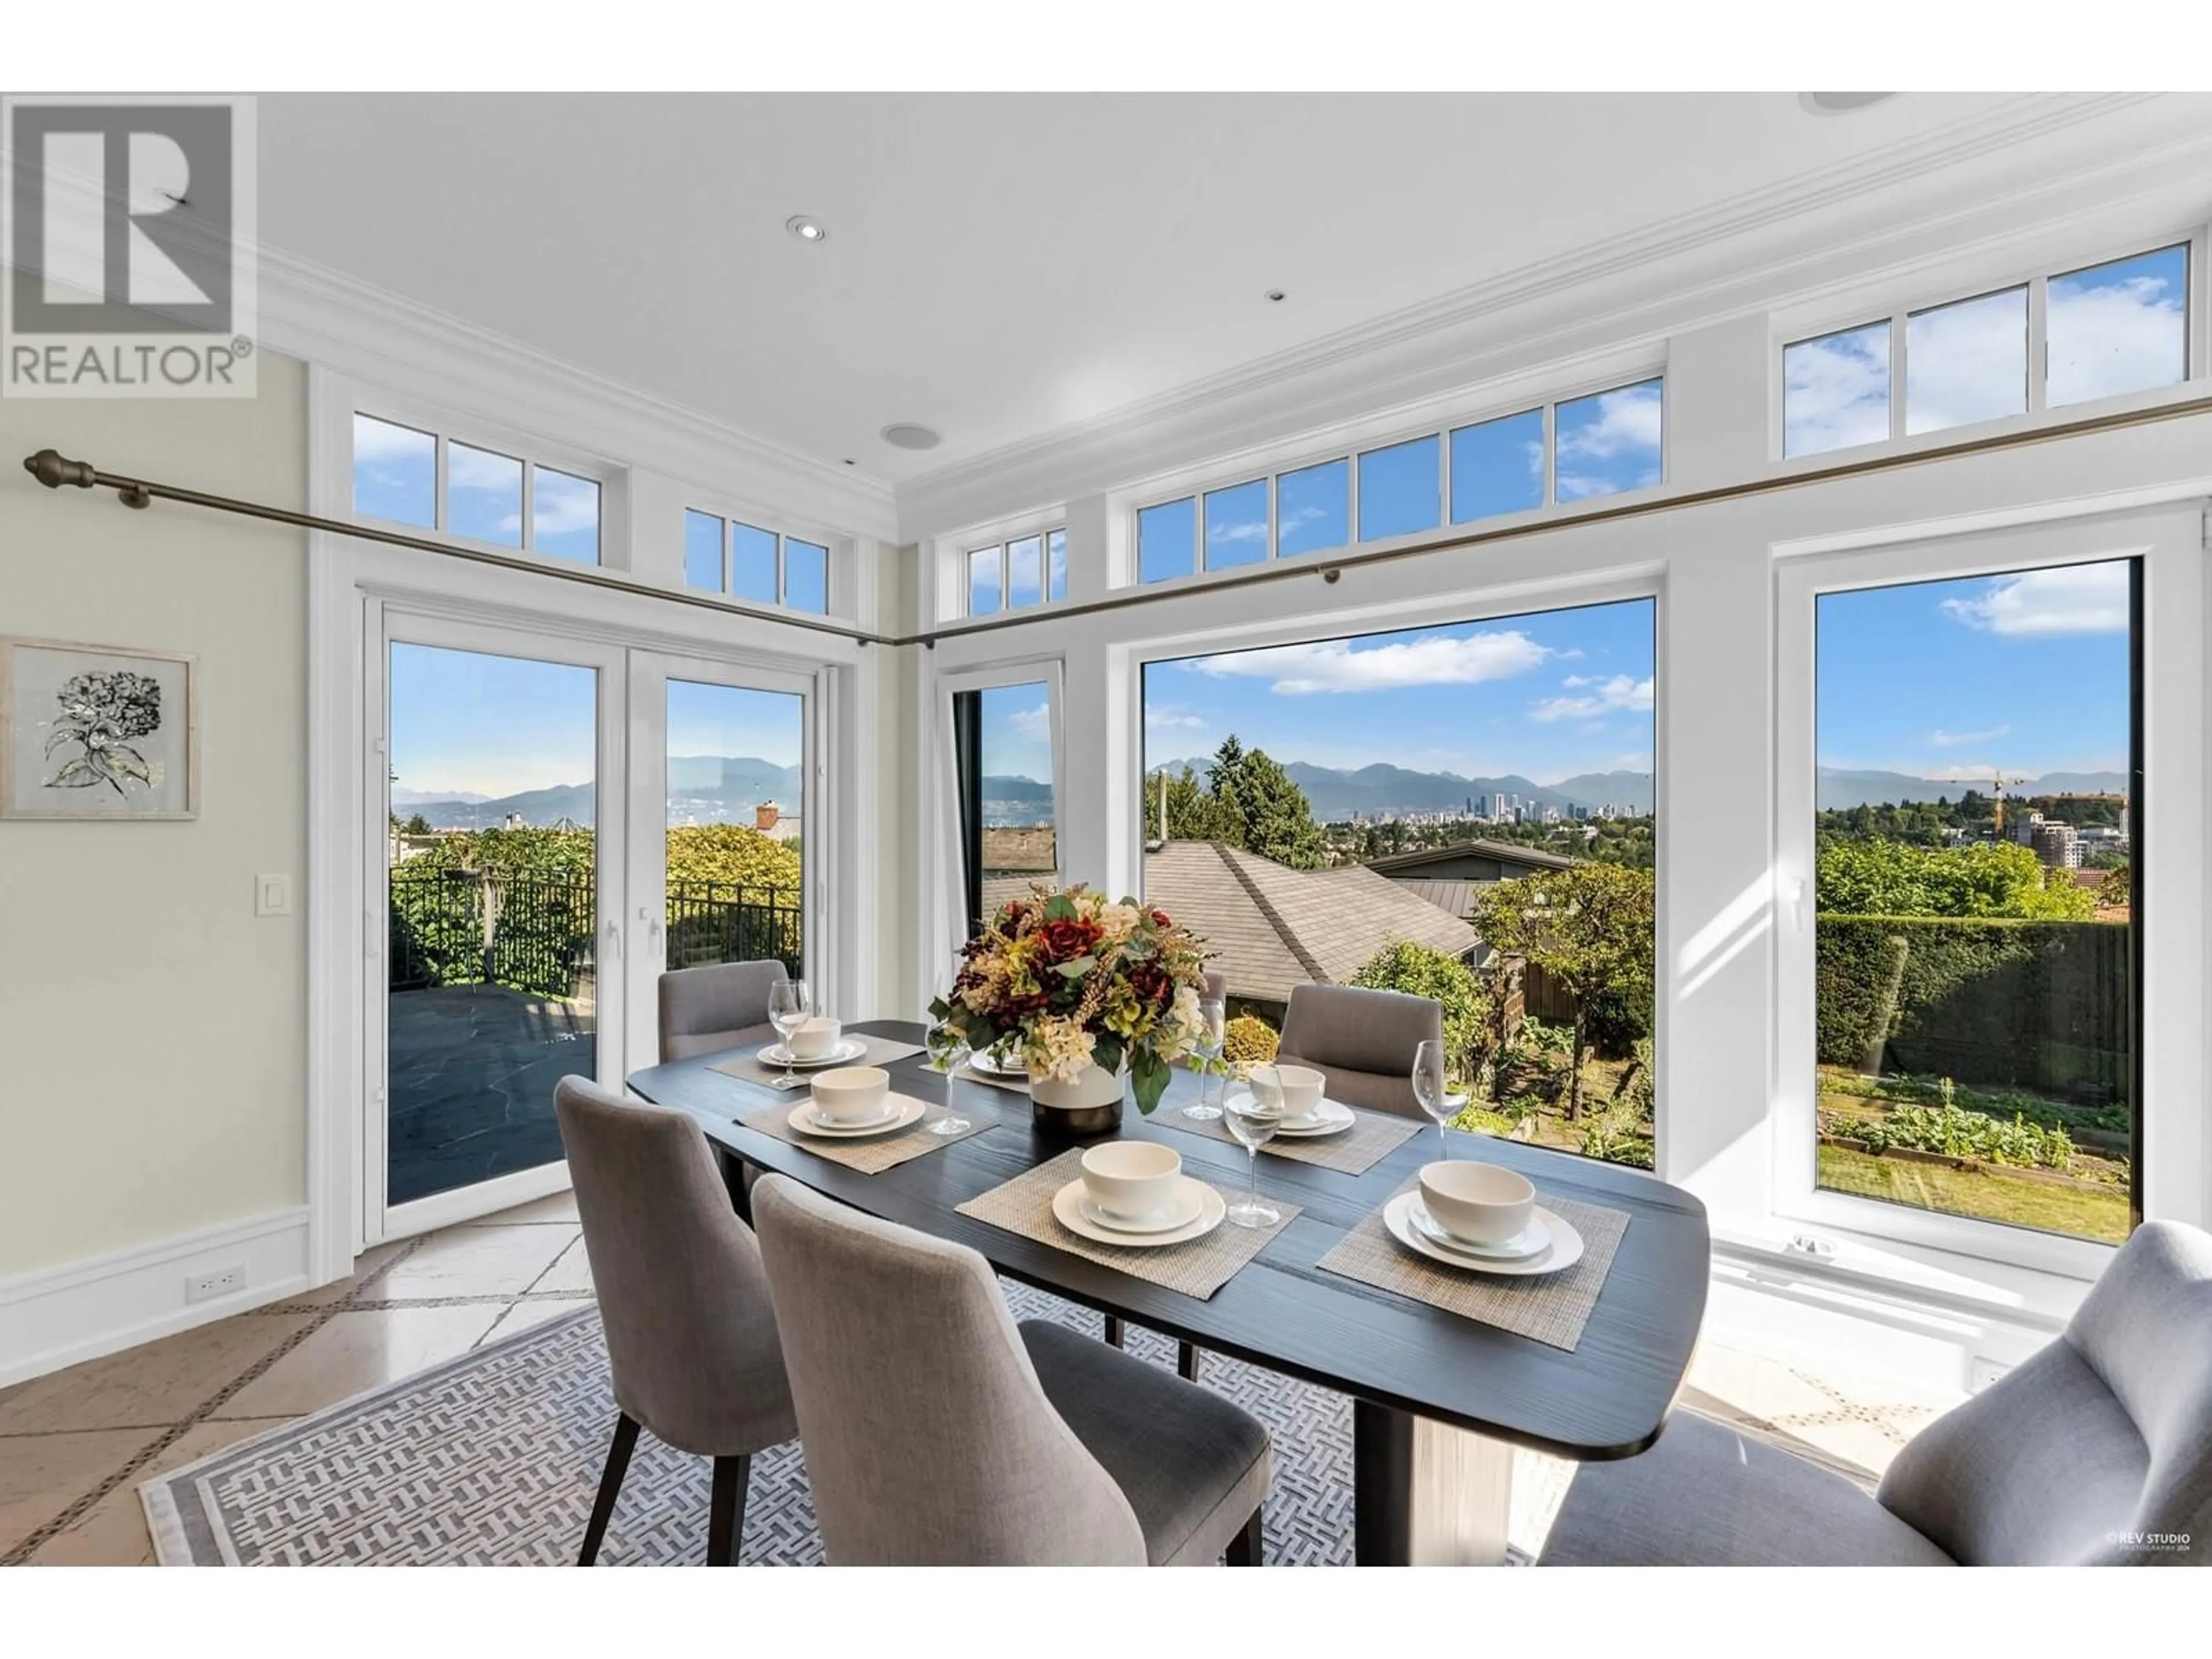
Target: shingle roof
1506,852
1274,927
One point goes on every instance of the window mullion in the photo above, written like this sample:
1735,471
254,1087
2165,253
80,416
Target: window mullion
2038,342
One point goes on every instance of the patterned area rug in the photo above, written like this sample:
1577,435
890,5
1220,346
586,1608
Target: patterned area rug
493,1459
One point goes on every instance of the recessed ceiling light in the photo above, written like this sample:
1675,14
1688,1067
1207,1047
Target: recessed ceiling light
1840,103
905,435
807,229
1275,293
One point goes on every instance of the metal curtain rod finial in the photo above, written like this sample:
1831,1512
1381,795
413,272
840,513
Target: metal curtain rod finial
53,469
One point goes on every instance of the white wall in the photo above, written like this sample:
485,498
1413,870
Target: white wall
152,1029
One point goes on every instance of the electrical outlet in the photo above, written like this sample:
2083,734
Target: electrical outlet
221,1282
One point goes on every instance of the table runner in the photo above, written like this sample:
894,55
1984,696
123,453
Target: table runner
1197,1268
748,1068
1552,1308
1372,1137
870,1155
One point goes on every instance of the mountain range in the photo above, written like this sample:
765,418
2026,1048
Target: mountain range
1385,791
1837,788
706,788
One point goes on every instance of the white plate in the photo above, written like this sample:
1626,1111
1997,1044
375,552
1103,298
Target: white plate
1526,1242
909,1110
1067,1210
1565,1249
1184,1208
1333,1119
986,1062
846,1050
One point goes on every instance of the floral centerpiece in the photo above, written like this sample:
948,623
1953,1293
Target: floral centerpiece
1080,989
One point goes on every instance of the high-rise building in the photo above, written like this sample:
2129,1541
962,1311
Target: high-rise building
2057,846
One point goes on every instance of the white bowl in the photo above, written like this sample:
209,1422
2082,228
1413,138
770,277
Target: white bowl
814,1038
1131,1180
1302,1087
851,1094
1480,1203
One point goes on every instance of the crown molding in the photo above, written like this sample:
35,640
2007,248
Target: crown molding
1899,208
368,333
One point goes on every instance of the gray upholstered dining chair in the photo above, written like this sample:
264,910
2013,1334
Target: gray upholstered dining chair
2088,1453
723,1005
690,1333
1362,1041
938,1432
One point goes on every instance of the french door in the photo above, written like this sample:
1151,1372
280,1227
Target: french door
556,818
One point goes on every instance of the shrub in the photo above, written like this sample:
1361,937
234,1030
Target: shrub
1444,980
1248,1040
1955,1131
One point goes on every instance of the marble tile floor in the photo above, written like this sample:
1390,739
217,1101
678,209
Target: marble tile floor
74,1446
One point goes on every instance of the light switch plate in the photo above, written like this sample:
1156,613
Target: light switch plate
272,896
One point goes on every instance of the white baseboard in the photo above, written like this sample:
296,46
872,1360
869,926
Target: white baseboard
58,1316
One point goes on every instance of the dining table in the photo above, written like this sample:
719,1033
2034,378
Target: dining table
1439,1400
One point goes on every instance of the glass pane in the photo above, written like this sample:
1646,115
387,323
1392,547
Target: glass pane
1497,467
986,575
1974,897
564,515
1966,361
1278,779
1313,509
752,565
1607,443
702,551
1835,390
1055,554
735,758
1398,490
1018,842
494,918
805,575
395,472
2120,327
484,496
1025,571
1237,525
1167,540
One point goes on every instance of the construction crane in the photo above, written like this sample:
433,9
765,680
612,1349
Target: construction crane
2001,783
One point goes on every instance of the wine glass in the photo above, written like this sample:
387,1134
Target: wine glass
948,1051
1212,1018
788,1007
1429,1088
1253,1117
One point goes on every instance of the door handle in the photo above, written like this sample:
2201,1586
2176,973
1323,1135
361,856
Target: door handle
614,940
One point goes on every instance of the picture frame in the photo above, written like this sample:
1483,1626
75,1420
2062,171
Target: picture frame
98,732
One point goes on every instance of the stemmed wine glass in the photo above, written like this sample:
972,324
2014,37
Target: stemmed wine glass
1212,1018
948,1051
1253,1117
1429,1088
788,1008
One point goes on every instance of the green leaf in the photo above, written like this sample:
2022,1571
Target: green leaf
1149,1072
1060,908
1076,968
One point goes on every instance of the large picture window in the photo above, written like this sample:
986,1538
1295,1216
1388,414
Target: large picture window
1975,895
1463,813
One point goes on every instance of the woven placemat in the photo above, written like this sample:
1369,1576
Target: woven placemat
1198,1267
1552,1308
1372,1137
1012,1086
870,1155
749,1068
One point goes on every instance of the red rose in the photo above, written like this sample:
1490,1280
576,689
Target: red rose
1160,919
1067,939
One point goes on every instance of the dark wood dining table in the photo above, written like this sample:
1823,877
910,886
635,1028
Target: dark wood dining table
1415,1373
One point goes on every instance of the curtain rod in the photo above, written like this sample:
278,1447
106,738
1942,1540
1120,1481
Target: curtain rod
55,470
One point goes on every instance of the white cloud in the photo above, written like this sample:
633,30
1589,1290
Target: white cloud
1597,698
1966,361
1837,391
2115,337
479,468
1967,739
564,503
1618,450
2074,599
1338,665
1035,723
381,440
1165,718
1246,529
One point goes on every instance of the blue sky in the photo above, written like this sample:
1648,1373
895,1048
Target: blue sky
1955,679
395,469
467,722
1017,733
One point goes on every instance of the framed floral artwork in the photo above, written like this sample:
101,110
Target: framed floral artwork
92,732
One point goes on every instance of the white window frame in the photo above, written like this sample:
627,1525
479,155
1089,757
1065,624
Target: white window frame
2173,866
731,518
511,444
1003,545
2197,324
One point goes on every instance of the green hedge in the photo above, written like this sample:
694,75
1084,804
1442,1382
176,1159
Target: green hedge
2033,1004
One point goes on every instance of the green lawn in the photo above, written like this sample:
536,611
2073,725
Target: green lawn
2089,1212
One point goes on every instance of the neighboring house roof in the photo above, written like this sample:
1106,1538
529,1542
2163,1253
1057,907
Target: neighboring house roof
1274,927
1440,862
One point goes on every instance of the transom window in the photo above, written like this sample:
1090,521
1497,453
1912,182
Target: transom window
1012,575
760,567
404,475
1573,451
2116,327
